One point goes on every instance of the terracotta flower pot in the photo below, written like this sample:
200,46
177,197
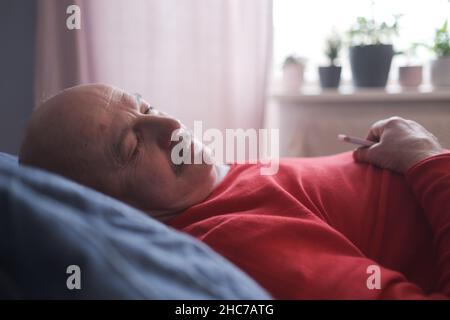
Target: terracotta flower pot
440,72
293,76
410,76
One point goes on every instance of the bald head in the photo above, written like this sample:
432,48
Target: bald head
61,133
109,140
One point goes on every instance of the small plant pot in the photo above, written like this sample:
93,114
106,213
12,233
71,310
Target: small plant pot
371,64
440,72
330,77
410,76
293,76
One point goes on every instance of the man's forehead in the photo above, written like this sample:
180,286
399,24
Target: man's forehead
99,95
120,99
103,97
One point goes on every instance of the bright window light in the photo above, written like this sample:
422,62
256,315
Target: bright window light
301,27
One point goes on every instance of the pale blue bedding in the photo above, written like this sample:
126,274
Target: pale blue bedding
48,223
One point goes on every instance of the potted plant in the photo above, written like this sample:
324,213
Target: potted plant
440,67
410,75
371,51
330,75
293,71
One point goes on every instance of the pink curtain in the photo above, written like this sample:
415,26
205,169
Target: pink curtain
197,59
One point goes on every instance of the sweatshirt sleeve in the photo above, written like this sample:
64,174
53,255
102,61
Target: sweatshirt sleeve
430,182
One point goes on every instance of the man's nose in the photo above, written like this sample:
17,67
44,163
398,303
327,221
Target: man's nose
159,129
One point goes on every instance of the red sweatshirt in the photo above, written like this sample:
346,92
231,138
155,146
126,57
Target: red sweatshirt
313,230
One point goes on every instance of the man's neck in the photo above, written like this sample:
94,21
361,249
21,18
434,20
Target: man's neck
221,172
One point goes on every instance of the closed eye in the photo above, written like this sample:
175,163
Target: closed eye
150,110
146,110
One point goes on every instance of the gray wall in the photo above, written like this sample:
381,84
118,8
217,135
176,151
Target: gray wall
17,34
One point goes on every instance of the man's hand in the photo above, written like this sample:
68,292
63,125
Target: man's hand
400,145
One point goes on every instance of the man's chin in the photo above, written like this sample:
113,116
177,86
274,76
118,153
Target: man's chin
201,177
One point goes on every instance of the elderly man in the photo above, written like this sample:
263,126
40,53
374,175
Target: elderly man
372,224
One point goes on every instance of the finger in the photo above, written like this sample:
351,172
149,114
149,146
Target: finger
376,130
361,154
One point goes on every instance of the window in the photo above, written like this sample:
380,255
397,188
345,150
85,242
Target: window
302,26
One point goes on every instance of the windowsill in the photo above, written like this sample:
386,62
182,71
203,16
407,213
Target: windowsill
314,94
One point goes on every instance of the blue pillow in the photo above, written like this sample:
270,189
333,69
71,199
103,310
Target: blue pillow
7,159
48,223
